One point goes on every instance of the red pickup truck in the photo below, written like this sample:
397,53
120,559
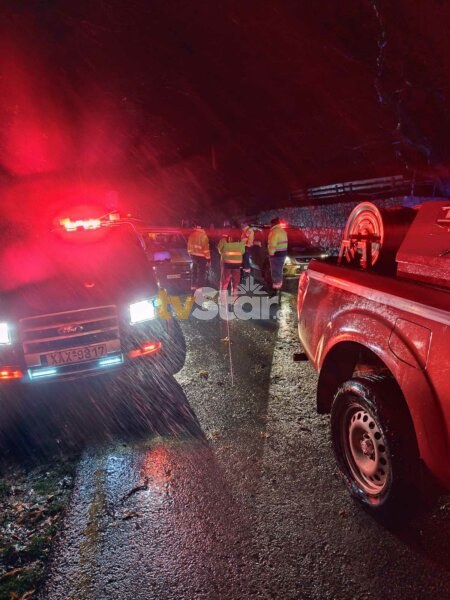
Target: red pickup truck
375,324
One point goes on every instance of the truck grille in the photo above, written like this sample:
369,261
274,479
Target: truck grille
72,329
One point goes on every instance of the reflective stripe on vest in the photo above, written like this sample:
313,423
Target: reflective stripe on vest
278,241
232,256
198,244
198,250
281,245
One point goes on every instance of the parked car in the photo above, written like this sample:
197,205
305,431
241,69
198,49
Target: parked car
300,253
375,324
166,249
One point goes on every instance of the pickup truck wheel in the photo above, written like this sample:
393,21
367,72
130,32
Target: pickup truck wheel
374,443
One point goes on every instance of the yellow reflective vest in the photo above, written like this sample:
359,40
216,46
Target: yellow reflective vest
248,236
198,244
278,240
231,252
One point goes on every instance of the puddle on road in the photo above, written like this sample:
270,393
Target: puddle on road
164,501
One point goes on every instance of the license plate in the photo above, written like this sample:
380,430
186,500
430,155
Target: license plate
175,276
74,355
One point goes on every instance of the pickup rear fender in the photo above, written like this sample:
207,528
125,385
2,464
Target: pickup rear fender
356,340
369,330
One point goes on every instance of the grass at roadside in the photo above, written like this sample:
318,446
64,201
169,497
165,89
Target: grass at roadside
32,502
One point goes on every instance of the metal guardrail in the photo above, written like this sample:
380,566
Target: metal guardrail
369,188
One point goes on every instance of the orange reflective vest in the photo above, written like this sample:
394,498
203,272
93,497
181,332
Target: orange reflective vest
248,236
232,253
198,244
278,240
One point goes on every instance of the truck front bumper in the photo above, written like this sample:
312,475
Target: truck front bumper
135,344
293,271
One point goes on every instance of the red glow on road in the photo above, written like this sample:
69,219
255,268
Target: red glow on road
157,466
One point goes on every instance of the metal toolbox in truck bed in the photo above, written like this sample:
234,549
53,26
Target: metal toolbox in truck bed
425,252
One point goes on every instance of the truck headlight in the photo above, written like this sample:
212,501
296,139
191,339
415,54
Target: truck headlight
5,334
142,311
288,261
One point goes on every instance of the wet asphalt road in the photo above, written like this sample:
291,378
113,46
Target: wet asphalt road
237,495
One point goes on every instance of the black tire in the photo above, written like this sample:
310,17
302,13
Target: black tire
375,445
173,355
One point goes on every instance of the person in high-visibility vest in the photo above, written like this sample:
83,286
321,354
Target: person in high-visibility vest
231,251
198,248
248,237
277,246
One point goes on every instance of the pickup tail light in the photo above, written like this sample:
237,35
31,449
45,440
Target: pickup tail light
302,285
8,373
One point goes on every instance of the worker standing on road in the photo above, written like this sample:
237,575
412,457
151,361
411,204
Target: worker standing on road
277,246
198,248
248,237
231,250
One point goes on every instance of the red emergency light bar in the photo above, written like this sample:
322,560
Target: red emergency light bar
91,223
85,224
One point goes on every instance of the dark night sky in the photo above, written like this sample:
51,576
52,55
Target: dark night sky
287,93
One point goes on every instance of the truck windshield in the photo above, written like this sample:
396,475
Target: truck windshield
99,252
297,241
110,255
164,241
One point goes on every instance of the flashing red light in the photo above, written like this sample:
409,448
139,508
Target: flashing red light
85,224
7,373
114,216
284,225
145,349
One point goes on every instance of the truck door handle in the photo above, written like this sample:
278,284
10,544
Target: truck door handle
445,252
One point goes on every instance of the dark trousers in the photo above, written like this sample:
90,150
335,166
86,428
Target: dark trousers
198,272
276,267
246,259
232,276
